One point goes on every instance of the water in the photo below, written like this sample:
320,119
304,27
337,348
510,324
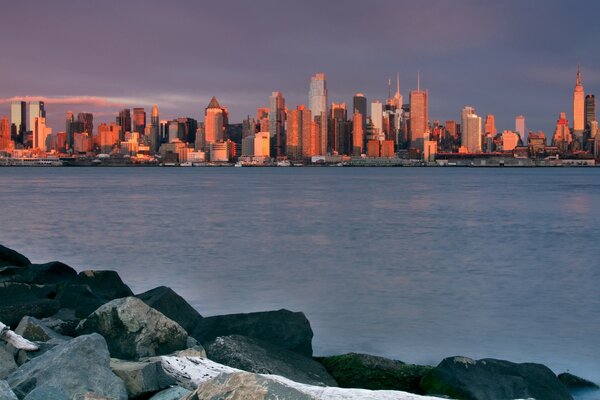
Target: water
410,263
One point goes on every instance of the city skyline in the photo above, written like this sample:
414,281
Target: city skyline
502,62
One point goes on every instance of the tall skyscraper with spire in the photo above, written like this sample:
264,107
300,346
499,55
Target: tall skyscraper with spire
419,116
317,103
277,124
578,109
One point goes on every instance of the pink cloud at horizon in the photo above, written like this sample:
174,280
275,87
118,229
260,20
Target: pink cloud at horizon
67,100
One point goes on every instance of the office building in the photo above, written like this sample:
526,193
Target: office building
215,122
40,133
471,130
317,103
277,124
154,130
299,122
139,120
18,121
358,134
590,110
578,109
36,110
562,137
124,121
520,128
419,117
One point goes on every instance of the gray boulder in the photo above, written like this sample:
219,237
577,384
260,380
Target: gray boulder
375,373
244,385
47,393
173,393
253,355
491,379
91,289
283,328
134,330
35,330
141,378
11,257
6,392
77,367
7,362
573,382
172,305
63,322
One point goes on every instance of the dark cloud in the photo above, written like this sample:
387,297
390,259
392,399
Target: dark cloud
505,58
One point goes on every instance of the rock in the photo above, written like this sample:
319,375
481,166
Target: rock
11,257
26,356
49,273
134,330
33,329
376,373
91,289
194,351
173,393
6,392
47,393
172,305
253,355
7,363
490,379
283,328
141,378
21,299
77,367
63,322
573,382
244,385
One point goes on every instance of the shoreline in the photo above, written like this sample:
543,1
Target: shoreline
281,340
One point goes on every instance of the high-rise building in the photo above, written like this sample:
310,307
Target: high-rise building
562,134
471,132
87,122
154,130
18,120
108,136
299,122
139,120
36,110
6,142
520,128
419,117
490,125
317,103
510,140
69,128
215,122
578,109
377,118
40,133
124,121
338,128
277,124
358,134
590,110
397,100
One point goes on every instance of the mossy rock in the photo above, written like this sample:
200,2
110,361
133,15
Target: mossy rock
375,373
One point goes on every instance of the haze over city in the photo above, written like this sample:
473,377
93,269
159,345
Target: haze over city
507,59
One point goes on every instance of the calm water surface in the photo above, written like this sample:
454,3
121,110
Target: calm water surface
411,263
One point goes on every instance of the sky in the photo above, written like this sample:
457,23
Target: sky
502,57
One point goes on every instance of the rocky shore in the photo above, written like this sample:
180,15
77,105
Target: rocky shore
99,340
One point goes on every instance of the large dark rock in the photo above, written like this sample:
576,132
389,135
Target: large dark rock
375,373
258,356
142,378
573,382
63,322
35,330
244,385
490,379
53,272
47,393
11,257
21,299
172,305
172,393
133,329
78,366
90,289
283,328
7,362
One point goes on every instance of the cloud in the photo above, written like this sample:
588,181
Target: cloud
93,101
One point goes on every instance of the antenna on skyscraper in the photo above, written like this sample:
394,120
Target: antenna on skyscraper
418,80
398,82
389,88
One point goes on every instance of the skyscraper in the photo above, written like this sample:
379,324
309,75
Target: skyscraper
359,105
215,118
139,120
124,121
87,122
590,110
520,128
36,110
397,100
471,130
277,124
154,130
377,117
69,128
562,135
298,129
490,125
358,135
578,109
40,133
338,137
18,120
5,141
317,103
419,116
